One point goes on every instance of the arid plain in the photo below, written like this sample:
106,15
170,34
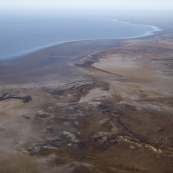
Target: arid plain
89,107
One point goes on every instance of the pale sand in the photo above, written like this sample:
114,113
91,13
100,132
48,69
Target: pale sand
95,94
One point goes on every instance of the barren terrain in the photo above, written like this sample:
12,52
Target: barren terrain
94,107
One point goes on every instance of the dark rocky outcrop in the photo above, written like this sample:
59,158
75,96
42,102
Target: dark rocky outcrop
6,95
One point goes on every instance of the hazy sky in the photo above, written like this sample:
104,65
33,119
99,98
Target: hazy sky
89,4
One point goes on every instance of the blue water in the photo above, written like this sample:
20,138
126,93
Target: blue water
19,35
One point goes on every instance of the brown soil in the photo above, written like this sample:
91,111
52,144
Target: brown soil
113,114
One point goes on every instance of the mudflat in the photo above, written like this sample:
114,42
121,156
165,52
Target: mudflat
91,106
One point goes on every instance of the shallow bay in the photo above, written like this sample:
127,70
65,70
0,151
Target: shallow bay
24,34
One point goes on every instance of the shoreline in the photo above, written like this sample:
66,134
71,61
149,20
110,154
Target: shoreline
147,33
26,52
